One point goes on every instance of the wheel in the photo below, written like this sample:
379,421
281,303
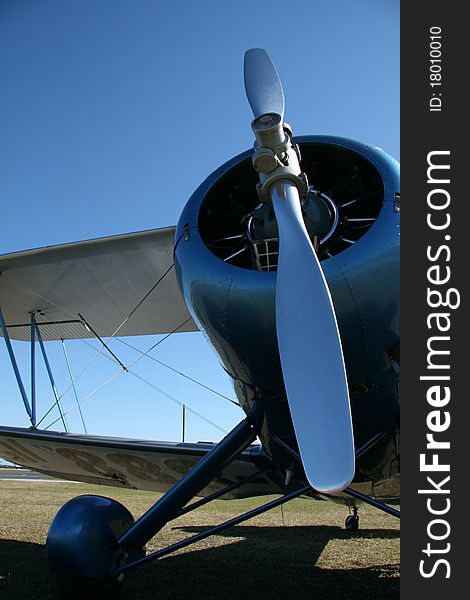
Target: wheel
82,547
352,523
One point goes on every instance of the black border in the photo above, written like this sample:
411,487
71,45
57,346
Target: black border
423,131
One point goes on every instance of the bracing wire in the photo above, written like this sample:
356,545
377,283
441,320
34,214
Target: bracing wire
169,396
123,370
206,387
142,354
73,382
98,352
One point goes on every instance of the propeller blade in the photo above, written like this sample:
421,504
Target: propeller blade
310,350
262,84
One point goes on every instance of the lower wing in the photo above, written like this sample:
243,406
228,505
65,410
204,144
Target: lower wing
120,462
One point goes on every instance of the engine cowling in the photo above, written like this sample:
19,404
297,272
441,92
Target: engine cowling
226,258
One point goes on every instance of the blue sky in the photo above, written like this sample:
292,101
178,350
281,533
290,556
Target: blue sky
112,112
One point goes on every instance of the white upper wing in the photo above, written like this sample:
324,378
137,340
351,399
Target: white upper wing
104,280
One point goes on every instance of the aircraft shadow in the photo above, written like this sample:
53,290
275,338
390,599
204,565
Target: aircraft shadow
24,572
251,562
270,562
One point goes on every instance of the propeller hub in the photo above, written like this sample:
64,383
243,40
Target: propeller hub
269,132
267,121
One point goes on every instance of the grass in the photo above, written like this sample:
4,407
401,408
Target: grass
302,552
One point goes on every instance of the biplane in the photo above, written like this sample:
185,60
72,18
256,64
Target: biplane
287,259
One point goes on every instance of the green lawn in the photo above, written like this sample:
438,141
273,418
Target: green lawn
302,553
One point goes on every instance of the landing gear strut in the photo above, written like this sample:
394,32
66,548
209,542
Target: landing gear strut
92,538
352,521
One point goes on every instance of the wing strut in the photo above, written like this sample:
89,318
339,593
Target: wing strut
35,336
49,372
14,364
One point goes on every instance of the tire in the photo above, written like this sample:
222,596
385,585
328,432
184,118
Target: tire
352,523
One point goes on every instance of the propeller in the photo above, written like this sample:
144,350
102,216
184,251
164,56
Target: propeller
307,332
262,84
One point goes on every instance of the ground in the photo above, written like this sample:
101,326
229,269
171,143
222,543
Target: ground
302,551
